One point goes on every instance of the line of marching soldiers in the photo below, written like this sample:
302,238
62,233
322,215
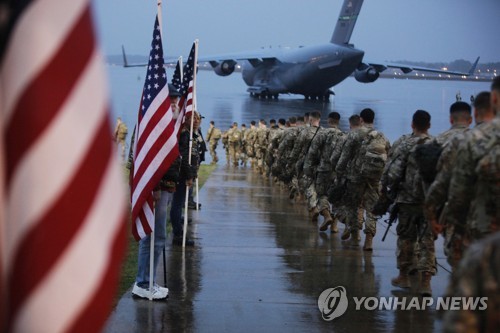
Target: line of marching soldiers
448,184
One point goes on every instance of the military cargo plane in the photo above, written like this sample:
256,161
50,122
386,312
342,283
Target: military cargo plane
310,71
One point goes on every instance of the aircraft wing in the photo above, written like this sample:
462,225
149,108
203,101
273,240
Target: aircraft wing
409,68
254,57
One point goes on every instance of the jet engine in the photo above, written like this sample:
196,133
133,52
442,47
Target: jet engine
225,67
366,74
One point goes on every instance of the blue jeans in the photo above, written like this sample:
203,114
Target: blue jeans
178,203
161,207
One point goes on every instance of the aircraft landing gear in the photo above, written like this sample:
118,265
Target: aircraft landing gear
323,97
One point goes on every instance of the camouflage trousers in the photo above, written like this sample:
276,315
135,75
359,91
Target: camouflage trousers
243,157
322,184
293,187
226,148
260,155
454,246
361,195
212,146
311,195
234,152
415,245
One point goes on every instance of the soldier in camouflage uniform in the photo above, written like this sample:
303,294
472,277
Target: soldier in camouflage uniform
403,178
477,275
318,166
234,140
274,141
437,193
250,138
225,144
474,194
120,135
260,146
243,149
339,208
268,157
460,119
283,151
297,157
362,191
213,136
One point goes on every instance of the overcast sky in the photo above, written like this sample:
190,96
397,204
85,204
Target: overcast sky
387,30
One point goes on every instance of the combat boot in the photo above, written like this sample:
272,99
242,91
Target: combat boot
328,219
355,235
368,243
333,228
346,234
425,284
315,214
402,280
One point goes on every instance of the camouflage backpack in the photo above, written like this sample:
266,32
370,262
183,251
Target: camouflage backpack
216,134
235,136
488,173
372,155
427,156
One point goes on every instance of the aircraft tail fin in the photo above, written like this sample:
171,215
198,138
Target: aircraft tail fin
347,19
473,68
125,62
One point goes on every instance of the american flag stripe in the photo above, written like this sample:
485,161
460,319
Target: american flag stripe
152,159
64,70
186,108
91,242
142,222
152,125
51,31
149,160
88,182
64,210
51,181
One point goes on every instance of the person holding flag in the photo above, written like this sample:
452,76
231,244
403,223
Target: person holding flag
154,153
163,195
188,173
186,128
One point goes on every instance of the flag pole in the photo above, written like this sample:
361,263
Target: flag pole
152,235
181,68
195,101
197,195
190,140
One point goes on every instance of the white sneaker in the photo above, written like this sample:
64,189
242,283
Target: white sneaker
158,292
163,289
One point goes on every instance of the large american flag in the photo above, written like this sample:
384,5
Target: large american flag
155,144
186,89
64,205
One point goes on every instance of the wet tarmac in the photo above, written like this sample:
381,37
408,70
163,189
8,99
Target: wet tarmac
259,265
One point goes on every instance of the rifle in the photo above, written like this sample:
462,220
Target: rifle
393,216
